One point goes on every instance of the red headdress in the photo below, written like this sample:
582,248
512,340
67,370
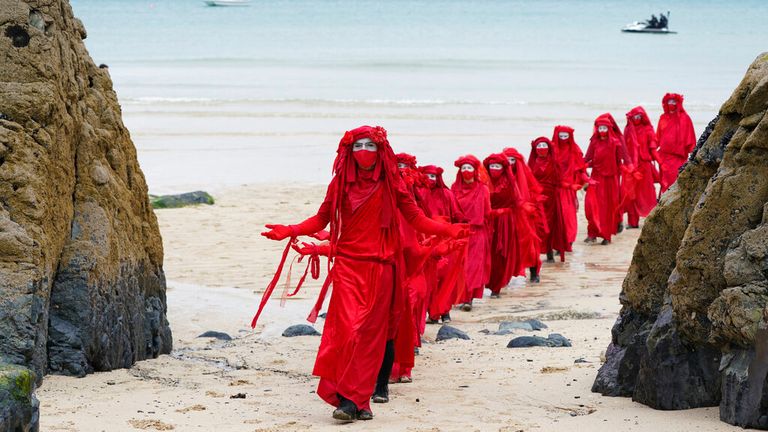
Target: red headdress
498,158
526,182
434,170
407,159
677,97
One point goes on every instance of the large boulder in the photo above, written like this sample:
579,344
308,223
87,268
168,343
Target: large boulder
19,408
82,287
695,297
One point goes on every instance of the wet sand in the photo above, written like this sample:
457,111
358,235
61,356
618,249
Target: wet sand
216,262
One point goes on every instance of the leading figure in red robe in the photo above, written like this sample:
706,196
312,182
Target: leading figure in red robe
638,186
606,155
361,205
475,201
676,138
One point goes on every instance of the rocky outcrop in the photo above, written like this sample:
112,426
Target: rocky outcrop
691,331
19,408
82,286
181,200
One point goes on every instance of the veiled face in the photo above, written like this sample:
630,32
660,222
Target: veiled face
512,161
364,144
563,135
495,166
432,177
602,129
542,145
402,165
468,167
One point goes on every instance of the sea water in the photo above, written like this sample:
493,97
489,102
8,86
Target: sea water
222,96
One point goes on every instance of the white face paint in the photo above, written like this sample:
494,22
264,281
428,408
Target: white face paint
563,135
432,176
637,117
671,102
542,145
401,165
468,167
364,144
495,166
512,160
602,128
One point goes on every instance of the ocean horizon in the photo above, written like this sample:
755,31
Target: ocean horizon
219,97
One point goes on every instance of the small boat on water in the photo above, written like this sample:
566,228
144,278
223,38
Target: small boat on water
227,2
653,25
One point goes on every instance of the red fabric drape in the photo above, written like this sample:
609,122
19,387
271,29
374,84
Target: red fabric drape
676,139
505,248
559,201
639,196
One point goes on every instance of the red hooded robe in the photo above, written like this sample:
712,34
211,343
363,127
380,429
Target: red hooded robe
640,192
605,157
558,201
447,279
505,241
572,172
676,139
474,199
368,271
532,223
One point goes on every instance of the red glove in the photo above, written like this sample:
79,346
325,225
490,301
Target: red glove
457,231
576,186
312,249
321,235
278,232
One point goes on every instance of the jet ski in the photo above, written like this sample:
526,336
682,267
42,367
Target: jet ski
653,25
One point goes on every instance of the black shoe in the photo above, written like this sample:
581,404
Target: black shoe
605,242
446,318
550,257
364,414
347,410
431,320
534,275
620,228
466,307
633,226
495,295
381,397
590,240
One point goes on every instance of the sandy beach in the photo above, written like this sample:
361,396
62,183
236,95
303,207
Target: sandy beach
217,263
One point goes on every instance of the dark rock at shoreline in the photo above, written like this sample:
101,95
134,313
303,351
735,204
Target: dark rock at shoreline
216,335
692,329
181,200
300,330
82,286
447,332
554,340
19,407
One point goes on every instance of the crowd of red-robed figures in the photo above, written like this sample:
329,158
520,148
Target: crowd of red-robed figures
403,248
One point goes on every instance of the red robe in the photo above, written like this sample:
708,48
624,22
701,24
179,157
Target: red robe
442,273
572,172
605,157
505,248
475,202
531,225
558,201
676,139
640,192
368,273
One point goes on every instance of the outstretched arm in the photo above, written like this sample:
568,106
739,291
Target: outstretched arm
310,226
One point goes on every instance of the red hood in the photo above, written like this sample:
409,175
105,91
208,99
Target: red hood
407,159
480,173
552,150
607,120
645,120
570,142
436,170
675,96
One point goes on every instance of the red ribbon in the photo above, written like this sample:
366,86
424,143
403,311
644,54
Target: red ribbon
271,287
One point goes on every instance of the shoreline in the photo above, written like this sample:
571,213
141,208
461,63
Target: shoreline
458,385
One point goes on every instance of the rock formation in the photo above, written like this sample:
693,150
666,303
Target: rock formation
82,287
693,329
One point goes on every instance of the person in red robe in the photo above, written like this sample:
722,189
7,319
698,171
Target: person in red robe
532,223
676,138
445,274
558,197
505,240
361,205
475,201
605,155
640,193
572,173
